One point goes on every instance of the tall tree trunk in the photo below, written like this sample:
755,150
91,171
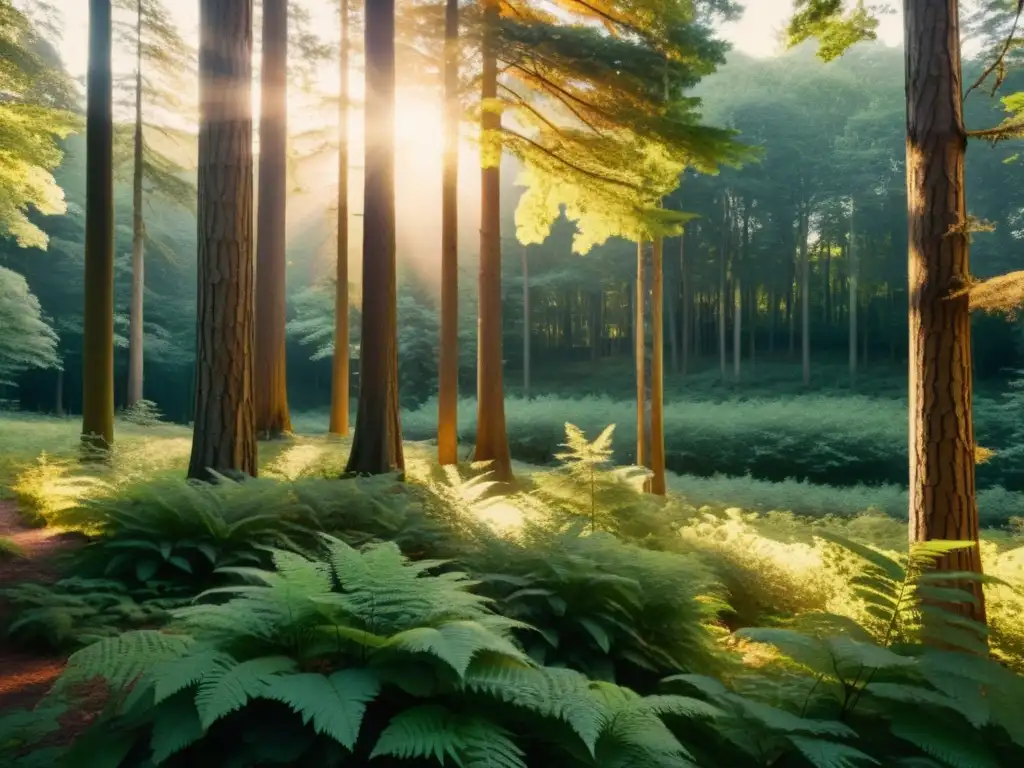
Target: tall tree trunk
942,487
737,327
224,437
491,435
671,301
135,332
340,384
774,301
448,374
98,321
640,352
596,331
657,371
853,288
752,305
272,418
805,299
377,441
721,286
687,306
527,327
58,405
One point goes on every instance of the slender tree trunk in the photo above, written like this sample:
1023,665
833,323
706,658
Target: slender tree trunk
657,372
942,486
687,306
774,300
491,435
340,383
721,287
853,288
640,340
752,305
596,332
272,418
527,326
671,302
805,300
448,378
98,330
377,441
135,332
224,438
58,405
737,327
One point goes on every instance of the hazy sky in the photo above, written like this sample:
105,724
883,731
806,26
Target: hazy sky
756,34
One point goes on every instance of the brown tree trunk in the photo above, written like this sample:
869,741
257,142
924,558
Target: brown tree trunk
527,325
805,299
942,488
448,373
224,437
340,385
98,321
737,327
135,332
686,307
721,286
58,405
657,371
853,288
272,419
640,354
491,435
377,441
773,299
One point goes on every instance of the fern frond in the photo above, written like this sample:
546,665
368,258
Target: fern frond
830,754
227,689
335,705
120,660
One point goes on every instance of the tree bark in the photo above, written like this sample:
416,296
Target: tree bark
59,394
491,435
942,483
98,321
377,441
527,326
448,374
853,288
805,299
737,327
136,327
224,437
686,307
640,356
340,379
721,286
657,371
272,418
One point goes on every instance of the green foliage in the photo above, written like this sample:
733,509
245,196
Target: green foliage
144,413
10,549
22,729
373,657
835,28
74,612
28,341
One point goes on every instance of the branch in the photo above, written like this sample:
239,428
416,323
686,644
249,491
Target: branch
1000,58
569,164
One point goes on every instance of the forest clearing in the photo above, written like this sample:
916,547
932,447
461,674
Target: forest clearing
511,383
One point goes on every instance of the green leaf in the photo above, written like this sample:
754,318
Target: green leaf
146,570
335,705
226,690
829,754
175,727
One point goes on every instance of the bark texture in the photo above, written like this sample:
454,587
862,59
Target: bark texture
853,288
224,436
340,386
527,325
98,331
377,442
272,418
805,299
491,436
135,323
640,355
448,375
942,490
657,371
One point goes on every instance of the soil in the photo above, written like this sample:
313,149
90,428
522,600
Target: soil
25,678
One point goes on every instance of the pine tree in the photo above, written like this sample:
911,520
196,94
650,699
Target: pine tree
340,384
377,442
224,436
98,330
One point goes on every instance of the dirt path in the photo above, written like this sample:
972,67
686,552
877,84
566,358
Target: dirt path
24,677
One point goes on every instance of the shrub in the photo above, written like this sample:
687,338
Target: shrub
373,658
144,413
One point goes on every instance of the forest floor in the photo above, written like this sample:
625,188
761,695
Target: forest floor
25,678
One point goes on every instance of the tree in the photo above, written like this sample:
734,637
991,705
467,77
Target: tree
160,54
448,390
98,330
27,341
943,503
340,386
377,442
224,437
272,419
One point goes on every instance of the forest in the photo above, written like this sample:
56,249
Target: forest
511,383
